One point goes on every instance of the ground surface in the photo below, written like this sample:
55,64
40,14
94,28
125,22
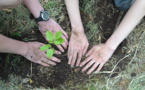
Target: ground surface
125,69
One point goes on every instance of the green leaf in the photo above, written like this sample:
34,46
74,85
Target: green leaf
49,35
53,50
51,42
58,35
59,41
45,47
49,53
16,34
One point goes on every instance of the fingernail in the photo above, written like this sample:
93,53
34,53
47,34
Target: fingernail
69,63
78,65
59,52
62,50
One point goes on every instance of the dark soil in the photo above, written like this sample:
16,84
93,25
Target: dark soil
106,16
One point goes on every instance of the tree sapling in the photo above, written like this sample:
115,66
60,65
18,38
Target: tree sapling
55,39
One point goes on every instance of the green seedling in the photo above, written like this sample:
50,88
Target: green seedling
53,39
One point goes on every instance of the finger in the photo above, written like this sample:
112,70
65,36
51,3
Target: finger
68,52
99,68
85,49
70,59
89,52
66,41
74,59
64,33
88,65
79,59
43,64
51,63
57,52
60,48
55,59
93,68
45,60
85,61
64,45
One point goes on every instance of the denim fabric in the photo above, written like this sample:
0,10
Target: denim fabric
123,4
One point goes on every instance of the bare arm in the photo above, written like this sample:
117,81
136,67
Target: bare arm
8,45
100,54
78,42
74,15
29,50
35,7
131,19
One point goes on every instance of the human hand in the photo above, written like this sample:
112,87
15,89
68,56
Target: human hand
52,26
78,46
35,55
97,57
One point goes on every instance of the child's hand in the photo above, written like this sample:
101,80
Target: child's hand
35,55
97,57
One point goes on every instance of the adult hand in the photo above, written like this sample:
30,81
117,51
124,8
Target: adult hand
78,46
97,57
52,26
35,55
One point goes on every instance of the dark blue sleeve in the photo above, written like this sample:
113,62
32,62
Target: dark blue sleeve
123,4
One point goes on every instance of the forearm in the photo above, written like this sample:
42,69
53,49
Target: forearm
8,45
131,19
34,6
74,15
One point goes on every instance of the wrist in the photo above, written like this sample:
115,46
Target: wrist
111,45
24,49
78,29
42,23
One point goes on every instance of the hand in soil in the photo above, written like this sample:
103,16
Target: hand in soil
96,58
52,26
78,46
35,55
